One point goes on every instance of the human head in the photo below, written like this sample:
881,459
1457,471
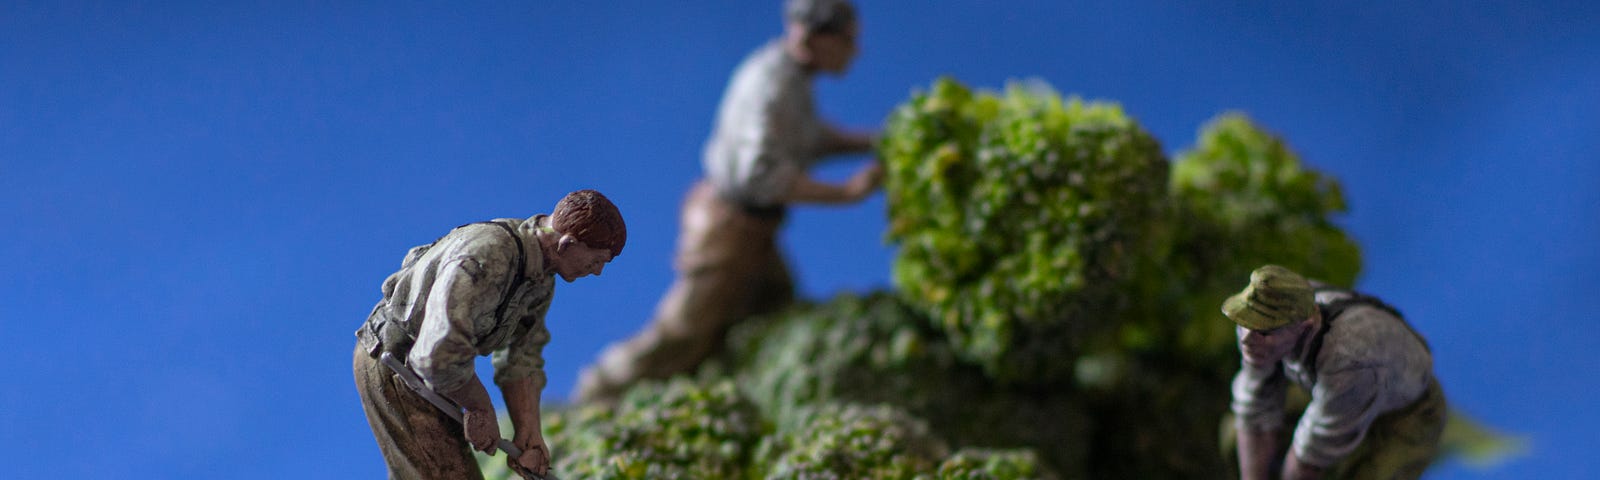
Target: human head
821,34
590,218
591,234
1271,314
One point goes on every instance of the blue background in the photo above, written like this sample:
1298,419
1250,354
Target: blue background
198,201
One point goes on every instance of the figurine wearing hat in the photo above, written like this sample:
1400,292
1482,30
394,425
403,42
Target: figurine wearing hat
1376,409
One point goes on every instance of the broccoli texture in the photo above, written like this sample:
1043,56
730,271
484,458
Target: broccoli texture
878,349
838,441
1246,200
678,429
1021,220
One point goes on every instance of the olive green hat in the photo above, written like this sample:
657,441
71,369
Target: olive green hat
1276,297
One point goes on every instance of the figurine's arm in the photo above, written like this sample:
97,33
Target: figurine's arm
522,402
804,189
1343,405
519,371
836,141
1258,396
1294,469
443,353
1257,447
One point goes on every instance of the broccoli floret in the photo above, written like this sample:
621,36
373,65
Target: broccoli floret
1021,219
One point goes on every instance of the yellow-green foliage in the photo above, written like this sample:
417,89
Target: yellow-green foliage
675,430
877,349
981,464
851,441
1020,218
709,430
1245,200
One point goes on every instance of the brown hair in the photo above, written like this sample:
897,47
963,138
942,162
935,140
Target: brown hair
592,219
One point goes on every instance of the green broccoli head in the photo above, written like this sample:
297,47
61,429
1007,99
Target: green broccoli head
1021,219
678,429
984,464
1247,200
840,441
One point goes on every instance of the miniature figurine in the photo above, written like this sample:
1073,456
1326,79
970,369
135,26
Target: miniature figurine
1376,409
728,263
482,288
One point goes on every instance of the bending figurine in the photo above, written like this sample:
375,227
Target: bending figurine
482,288
1376,409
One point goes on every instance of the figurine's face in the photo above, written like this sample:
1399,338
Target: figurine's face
574,260
833,52
1270,346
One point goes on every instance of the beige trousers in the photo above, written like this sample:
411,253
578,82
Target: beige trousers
728,268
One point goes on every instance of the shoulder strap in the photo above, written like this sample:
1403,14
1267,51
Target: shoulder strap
1316,345
516,278
1336,307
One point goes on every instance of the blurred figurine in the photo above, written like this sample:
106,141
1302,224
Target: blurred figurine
1376,409
728,263
482,288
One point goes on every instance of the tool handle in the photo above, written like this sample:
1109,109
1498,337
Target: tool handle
445,405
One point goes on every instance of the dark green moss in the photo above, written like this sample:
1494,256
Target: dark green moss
679,429
981,464
880,350
845,441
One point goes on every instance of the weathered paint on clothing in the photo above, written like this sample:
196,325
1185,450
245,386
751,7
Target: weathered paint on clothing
446,296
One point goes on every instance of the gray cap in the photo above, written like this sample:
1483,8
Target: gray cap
820,16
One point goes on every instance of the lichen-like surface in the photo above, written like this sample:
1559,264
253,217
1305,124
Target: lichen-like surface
877,349
1021,218
981,464
659,431
684,429
843,441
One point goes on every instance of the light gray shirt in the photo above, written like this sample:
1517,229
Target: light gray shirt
767,131
446,297
1370,363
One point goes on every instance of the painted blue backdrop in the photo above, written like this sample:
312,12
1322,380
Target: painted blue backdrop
198,200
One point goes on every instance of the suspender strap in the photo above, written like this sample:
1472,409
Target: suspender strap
1316,344
516,278
1337,307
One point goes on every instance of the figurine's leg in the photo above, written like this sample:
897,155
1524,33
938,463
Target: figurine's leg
688,326
417,440
774,284
722,261
1400,444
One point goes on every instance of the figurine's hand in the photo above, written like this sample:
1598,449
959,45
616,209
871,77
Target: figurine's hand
482,429
535,459
865,181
